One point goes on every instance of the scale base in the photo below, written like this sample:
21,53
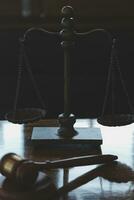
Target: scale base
48,137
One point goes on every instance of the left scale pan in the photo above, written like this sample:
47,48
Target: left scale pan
26,115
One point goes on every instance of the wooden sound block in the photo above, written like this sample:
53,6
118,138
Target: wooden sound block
48,137
42,189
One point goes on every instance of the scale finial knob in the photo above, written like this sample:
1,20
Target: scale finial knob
67,11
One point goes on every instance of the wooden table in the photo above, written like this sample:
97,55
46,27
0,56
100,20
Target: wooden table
116,140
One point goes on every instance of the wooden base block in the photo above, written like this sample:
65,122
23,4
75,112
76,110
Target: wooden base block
48,137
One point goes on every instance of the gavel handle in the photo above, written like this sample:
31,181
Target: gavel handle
77,161
81,180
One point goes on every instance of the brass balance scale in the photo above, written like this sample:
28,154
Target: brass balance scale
66,133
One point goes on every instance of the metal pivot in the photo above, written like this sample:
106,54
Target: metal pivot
67,120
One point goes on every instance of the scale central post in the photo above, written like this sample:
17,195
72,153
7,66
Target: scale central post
67,119
65,135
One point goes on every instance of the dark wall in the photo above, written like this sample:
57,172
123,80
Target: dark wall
89,70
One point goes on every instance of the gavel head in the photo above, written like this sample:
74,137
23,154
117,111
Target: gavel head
24,181
18,169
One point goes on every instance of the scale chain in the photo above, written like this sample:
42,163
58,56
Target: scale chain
108,78
114,64
33,80
124,85
24,60
19,77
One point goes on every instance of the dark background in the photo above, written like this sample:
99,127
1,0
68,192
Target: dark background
90,57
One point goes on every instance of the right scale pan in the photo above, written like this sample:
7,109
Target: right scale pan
116,118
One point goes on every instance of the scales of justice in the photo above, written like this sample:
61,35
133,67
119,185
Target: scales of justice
66,133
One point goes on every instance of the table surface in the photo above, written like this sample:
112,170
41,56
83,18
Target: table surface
118,182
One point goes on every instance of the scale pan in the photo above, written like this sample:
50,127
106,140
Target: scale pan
26,115
116,120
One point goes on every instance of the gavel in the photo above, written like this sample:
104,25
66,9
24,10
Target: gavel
45,189
25,172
